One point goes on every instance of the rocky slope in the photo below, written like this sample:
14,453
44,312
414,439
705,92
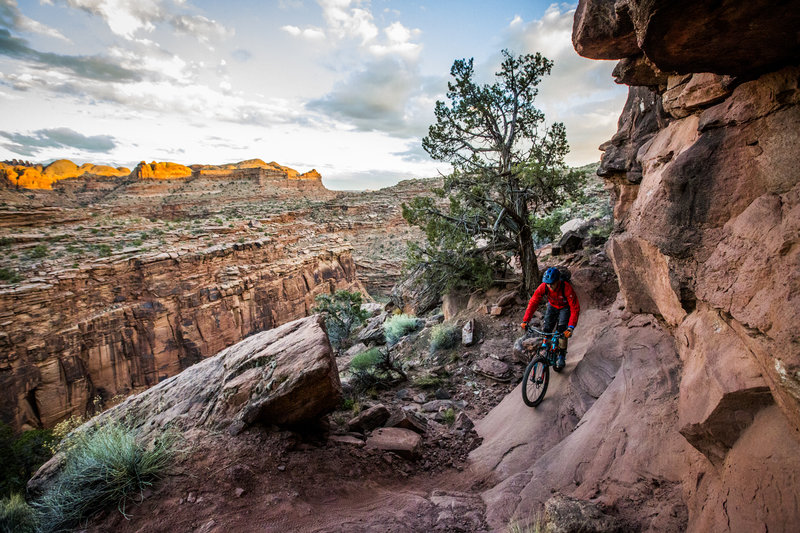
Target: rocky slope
707,239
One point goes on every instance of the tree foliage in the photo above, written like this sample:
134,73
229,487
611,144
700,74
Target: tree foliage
343,314
508,170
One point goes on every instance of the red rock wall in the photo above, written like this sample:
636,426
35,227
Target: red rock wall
704,170
114,327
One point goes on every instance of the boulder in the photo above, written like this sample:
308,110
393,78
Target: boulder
414,296
285,375
373,331
403,442
569,243
453,303
369,419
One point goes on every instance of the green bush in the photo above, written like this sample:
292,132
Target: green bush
9,275
444,336
343,313
398,327
104,250
39,251
16,516
21,456
104,467
366,360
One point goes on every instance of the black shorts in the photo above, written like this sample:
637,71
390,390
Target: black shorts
553,316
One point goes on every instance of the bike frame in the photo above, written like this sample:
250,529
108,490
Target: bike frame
549,343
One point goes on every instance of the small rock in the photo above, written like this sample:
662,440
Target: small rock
346,440
208,527
370,419
408,420
404,394
403,442
282,467
496,310
442,394
468,333
493,369
463,422
191,498
239,491
420,398
437,405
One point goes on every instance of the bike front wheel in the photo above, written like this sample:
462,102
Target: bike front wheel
535,381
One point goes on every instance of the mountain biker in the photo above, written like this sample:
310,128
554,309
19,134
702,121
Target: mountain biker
562,311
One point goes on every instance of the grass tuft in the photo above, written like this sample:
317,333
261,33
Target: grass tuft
398,327
16,516
106,467
444,337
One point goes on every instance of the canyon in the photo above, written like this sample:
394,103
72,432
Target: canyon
123,281
679,409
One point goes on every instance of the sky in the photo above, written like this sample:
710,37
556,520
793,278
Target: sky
346,87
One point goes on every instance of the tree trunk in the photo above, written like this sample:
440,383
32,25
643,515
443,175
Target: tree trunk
528,262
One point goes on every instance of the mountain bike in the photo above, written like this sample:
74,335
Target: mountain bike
537,373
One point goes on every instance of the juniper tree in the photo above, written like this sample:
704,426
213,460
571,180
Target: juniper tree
508,168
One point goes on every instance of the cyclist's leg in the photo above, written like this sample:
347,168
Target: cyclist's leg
550,319
563,321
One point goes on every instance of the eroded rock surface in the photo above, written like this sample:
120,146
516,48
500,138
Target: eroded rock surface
707,234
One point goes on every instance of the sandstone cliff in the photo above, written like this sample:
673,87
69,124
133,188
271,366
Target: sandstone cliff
114,326
707,238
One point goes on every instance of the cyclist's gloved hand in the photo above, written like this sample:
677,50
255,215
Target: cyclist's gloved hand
523,325
568,333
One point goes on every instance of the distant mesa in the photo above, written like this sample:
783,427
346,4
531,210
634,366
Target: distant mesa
26,175
160,171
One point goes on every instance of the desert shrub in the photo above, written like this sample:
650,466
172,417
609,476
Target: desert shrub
428,381
547,228
343,313
39,251
104,250
375,369
366,360
9,275
21,456
449,416
444,336
104,467
398,326
16,516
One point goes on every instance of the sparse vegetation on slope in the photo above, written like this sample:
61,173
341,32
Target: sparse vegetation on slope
105,467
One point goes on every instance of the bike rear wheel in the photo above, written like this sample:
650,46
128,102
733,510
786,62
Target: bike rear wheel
535,381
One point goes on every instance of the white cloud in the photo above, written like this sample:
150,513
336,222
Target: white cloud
346,22
126,18
311,33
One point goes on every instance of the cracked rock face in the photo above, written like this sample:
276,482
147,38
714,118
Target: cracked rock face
707,238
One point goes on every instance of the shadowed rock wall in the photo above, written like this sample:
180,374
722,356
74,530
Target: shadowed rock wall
114,327
704,171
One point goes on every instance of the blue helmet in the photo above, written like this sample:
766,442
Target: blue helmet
551,275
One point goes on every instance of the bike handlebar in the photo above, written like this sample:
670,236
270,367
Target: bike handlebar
542,333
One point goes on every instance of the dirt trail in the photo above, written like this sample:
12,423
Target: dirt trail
268,481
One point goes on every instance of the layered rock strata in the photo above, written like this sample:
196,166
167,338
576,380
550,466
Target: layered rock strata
111,327
707,238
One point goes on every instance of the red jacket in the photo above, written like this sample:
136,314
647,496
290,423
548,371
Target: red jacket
558,298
